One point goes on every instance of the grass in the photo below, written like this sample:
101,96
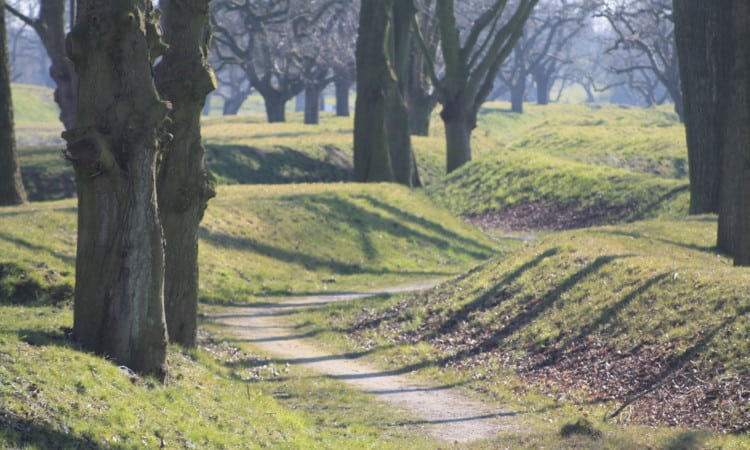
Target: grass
552,328
258,241
651,300
628,162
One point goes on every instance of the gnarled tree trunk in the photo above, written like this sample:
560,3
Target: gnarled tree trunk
312,104
184,184
11,186
119,291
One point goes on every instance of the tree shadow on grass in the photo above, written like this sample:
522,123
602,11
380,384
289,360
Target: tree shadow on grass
23,433
238,164
70,260
307,261
637,235
493,297
343,211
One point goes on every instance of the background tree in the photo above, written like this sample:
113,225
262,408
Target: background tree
50,26
701,32
119,289
645,44
472,62
341,53
421,93
234,87
11,187
184,184
259,37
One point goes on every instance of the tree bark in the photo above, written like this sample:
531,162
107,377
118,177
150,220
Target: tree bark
119,290
734,209
372,161
701,36
11,186
312,105
342,97
184,184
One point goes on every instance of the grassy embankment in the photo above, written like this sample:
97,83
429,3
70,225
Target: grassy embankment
648,295
258,241
624,325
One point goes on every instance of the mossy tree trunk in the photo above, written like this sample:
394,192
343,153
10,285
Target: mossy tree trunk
11,186
372,160
701,33
184,184
119,291
734,204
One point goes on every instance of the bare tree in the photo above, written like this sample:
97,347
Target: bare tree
472,61
644,39
539,52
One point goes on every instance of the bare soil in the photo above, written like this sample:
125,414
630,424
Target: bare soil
445,412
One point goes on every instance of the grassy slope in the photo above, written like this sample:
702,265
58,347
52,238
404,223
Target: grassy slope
257,241
578,156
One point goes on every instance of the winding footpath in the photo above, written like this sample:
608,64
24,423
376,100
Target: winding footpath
446,413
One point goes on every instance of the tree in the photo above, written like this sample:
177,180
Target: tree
184,184
382,141
258,36
701,32
50,27
372,159
11,187
734,202
421,94
644,40
119,290
472,63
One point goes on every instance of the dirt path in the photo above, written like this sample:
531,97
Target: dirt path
444,412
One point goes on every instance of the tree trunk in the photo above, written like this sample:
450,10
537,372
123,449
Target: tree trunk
275,107
232,105
701,36
119,290
184,183
11,186
458,130
421,106
51,30
734,210
312,101
342,97
543,87
372,162
517,93
397,116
